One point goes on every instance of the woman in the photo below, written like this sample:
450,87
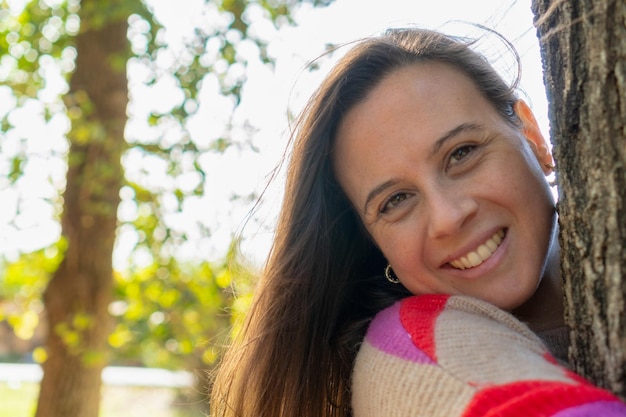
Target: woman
415,170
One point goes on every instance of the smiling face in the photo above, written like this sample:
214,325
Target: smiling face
452,194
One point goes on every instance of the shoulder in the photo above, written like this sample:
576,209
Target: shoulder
439,326
449,355
393,375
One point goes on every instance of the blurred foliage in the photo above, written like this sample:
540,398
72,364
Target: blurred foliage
168,312
180,307
168,315
21,284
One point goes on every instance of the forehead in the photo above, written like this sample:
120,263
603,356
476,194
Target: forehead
427,89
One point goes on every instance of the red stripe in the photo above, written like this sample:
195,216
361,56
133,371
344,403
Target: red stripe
418,316
533,398
571,374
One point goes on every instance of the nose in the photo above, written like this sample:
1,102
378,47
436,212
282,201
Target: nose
449,209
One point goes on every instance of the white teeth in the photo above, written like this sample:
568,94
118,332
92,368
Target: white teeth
491,245
474,258
481,254
484,251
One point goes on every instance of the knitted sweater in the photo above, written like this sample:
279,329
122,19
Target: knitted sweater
456,356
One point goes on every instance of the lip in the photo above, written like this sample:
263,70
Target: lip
480,270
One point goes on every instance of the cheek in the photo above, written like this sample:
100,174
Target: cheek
533,201
402,247
524,182
387,243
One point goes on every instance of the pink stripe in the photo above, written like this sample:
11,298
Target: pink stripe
595,409
387,334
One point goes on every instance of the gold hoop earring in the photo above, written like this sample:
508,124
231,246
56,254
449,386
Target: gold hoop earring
389,275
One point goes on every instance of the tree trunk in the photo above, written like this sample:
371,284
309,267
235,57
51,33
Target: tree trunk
80,291
583,46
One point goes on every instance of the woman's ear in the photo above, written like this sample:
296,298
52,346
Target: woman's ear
532,133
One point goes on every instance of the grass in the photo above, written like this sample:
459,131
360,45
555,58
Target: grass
19,400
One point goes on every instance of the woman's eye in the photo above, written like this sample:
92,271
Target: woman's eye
461,152
394,201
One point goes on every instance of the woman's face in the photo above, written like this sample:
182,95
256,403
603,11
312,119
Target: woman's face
454,196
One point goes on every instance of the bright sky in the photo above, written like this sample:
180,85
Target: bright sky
267,97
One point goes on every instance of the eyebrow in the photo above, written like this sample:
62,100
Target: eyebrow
452,133
462,128
377,190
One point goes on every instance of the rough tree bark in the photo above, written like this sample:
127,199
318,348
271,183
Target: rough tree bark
80,291
583,45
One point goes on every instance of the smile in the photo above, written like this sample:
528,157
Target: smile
481,254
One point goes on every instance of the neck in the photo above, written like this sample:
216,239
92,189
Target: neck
545,310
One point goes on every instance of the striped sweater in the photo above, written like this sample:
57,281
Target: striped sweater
456,356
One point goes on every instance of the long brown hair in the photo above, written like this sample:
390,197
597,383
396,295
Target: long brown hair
323,280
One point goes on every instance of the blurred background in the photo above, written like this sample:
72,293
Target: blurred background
142,269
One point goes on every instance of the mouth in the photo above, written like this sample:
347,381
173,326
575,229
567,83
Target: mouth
481,254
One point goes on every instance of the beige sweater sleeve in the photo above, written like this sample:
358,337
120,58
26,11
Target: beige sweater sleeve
442,356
